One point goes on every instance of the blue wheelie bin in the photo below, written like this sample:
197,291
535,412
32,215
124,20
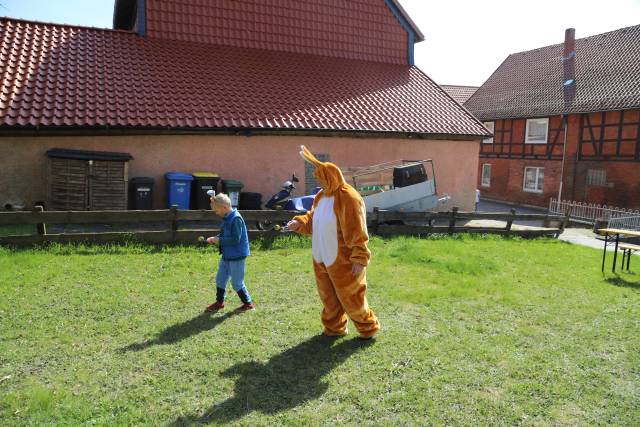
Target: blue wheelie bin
178,189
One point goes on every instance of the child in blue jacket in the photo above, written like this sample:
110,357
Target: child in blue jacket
233,242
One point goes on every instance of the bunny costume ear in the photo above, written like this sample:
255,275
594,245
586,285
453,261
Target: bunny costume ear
309,157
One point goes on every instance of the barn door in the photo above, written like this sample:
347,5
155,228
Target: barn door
107,185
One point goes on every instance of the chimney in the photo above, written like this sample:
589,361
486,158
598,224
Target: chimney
569,65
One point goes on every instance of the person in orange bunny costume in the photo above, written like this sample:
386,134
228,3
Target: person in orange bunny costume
338,226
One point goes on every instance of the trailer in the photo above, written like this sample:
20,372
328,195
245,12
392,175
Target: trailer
401,185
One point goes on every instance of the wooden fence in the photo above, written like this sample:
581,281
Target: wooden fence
423,223
384,223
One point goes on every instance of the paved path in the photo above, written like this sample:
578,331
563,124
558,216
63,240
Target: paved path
491,206
582,236
576,236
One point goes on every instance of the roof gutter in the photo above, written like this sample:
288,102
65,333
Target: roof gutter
247,132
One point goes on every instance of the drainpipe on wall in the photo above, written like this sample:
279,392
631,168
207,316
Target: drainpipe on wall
565,120
568,91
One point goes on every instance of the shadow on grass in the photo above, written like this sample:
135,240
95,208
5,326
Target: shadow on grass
180,331
619,281
287,380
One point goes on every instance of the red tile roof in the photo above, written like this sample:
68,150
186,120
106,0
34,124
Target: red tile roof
460,93
58,75
356,29
530,84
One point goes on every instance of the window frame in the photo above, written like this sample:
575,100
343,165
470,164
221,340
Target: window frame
524,179
546,134
596,177
310,182
482,183
489,140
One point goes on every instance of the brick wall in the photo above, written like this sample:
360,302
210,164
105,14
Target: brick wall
507,181
621,189
609,143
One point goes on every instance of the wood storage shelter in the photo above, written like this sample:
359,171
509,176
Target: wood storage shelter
81,180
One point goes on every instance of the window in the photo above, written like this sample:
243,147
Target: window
490,126
309,180
597,177
536,132
486,175
533,179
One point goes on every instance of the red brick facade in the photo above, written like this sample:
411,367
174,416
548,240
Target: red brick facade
601,161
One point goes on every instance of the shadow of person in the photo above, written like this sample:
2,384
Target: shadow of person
179,331
287,380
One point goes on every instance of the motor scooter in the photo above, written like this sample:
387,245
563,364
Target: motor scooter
282,200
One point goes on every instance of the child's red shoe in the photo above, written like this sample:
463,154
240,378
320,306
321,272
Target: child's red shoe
247,307
215,306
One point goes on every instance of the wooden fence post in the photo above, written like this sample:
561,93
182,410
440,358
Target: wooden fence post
452,221
510,220
376,219
429,218
174,222
41,228
565,221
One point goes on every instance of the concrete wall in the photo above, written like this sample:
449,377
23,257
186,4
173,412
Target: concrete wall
262,163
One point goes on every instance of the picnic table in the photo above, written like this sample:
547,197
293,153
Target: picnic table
617,232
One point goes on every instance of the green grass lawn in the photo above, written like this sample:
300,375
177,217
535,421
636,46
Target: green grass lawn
475,331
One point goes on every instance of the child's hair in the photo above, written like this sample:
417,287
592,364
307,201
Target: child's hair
221,199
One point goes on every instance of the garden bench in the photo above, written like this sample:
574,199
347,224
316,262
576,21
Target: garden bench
627,250
609,234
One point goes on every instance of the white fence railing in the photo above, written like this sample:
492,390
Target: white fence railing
591,212
625,222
